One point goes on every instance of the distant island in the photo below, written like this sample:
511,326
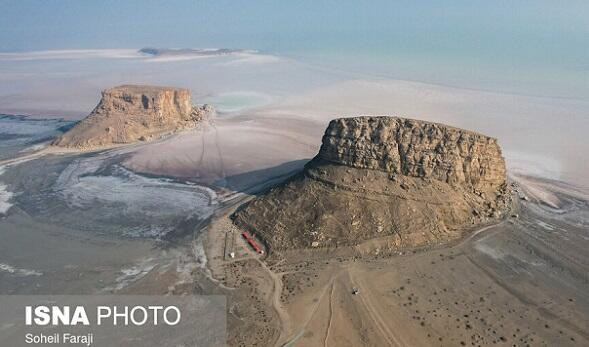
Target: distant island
131,113
171,52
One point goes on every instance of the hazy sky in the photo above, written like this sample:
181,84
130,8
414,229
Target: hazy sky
51,24
527,43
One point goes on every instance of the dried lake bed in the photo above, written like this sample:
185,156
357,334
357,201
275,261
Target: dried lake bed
82,223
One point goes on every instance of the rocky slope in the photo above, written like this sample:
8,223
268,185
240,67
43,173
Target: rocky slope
386,181
132,113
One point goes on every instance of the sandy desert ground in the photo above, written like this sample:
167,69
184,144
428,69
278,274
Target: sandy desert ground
520,282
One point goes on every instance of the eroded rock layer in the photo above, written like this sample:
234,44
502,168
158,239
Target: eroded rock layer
415,148
132,113
389,181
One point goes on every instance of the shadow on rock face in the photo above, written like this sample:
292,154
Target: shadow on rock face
258,181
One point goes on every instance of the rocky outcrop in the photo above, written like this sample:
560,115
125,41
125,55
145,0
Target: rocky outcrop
385,181
131,113
415,148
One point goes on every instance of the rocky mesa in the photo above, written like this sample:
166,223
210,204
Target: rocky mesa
384,181
131,113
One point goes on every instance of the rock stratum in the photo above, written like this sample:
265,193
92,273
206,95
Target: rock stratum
131,113
384,181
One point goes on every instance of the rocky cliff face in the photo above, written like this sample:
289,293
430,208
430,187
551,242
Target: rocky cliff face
385,181
131,113
158,102
415,148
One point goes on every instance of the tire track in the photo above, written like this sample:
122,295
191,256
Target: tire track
330,315
380,323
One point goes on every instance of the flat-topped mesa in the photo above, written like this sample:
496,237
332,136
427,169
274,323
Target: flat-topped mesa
384,183
160,101
131,113
415,148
